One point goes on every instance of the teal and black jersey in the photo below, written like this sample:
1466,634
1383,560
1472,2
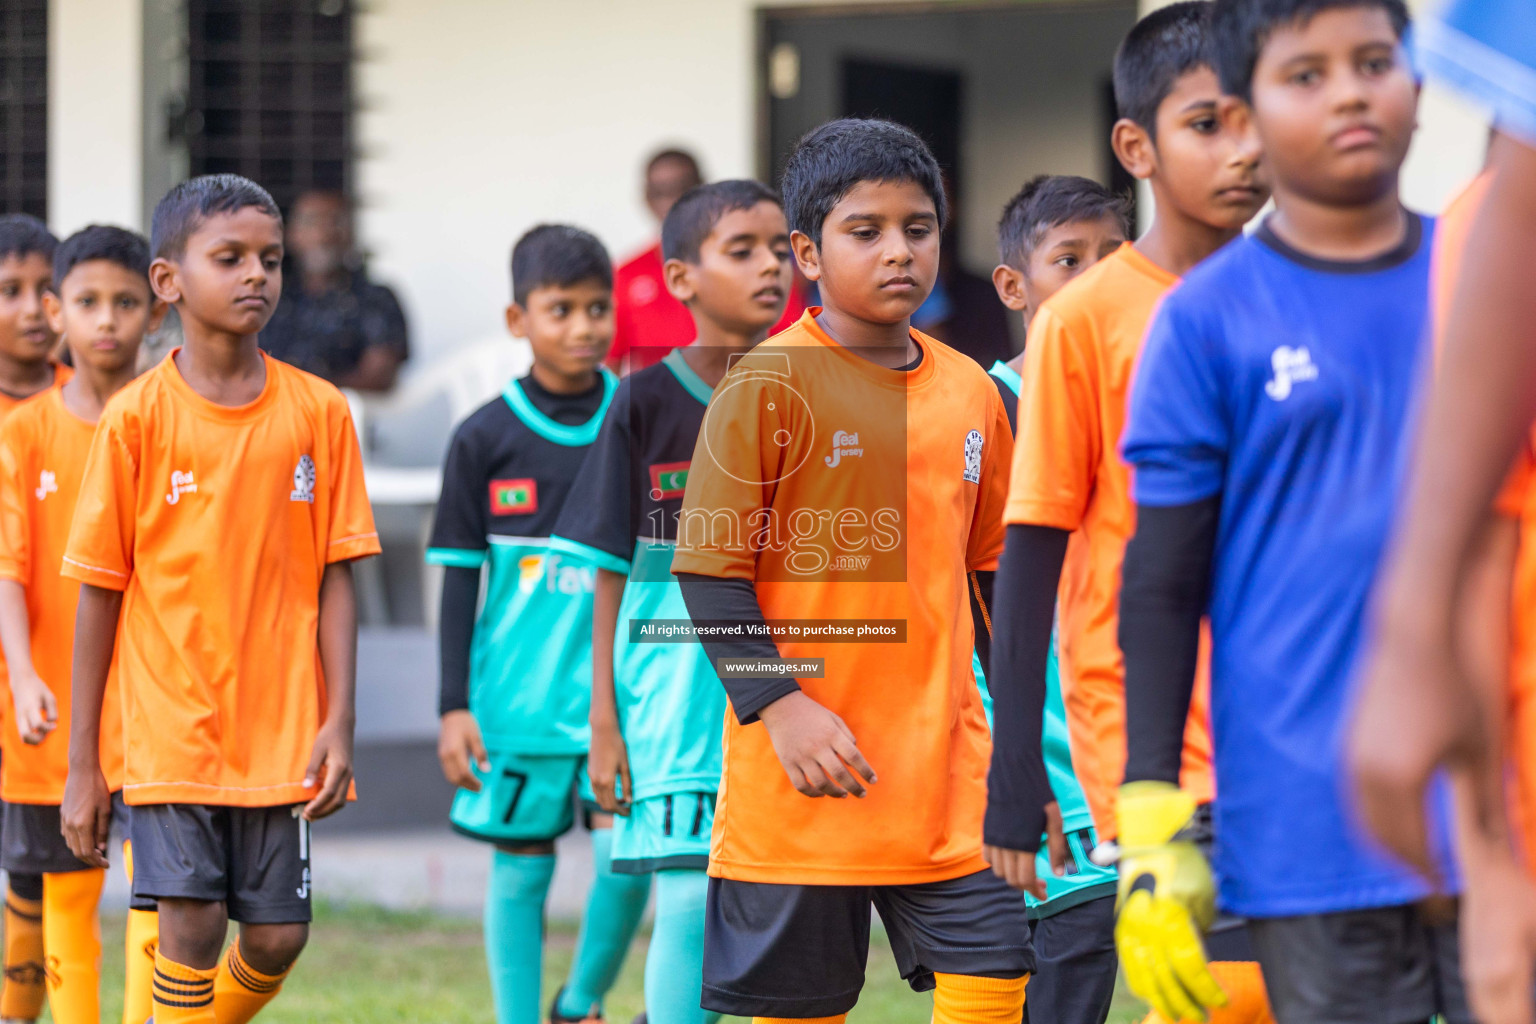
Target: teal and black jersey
510,466
622,516
1084,880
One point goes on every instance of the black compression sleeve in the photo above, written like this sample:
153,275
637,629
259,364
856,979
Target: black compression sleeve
979,584
1163,591
711,599
456,627
1024,609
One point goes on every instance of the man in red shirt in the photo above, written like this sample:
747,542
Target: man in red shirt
650,322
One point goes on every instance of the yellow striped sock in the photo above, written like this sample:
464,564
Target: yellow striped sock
240,991
183,995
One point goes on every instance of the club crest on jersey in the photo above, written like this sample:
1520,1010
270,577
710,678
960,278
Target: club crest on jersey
1291,366
844,445
181,483
973,442
47,484
514,497
668,479
303,480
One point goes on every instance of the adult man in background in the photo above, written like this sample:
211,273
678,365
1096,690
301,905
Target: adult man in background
332,320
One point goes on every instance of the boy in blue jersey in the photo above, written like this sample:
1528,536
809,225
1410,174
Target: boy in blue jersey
657,708
1268,432
1055,228
516,681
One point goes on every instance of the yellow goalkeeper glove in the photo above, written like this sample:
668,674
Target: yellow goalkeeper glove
1166,900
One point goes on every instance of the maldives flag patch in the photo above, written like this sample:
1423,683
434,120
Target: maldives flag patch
514,497
668,480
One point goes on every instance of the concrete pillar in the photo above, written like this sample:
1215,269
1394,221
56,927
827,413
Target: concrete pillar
95,113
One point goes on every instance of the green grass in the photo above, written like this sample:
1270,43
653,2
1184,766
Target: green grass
370,966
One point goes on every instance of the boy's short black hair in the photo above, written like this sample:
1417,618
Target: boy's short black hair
23,235
557,255
1050,201
1242,27
128,249
830,161
696,213
186,206
1167,44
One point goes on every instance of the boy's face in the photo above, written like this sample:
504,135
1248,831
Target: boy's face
879,251
1335,104
25,335
1064,252
742,278
1067,250
569,327
1205,161
230,275
103,310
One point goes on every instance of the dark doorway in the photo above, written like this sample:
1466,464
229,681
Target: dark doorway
925,100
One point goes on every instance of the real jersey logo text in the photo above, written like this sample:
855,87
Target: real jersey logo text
181,483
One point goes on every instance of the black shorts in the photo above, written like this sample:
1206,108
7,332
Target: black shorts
32,840
1385,965
255,860
800,950
1075,965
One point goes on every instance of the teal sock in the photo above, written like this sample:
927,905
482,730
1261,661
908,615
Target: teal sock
514,933
674,967
613,913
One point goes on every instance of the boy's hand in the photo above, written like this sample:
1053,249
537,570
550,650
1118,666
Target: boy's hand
332,756
816,747
85,815
608,767
37,712
461,750
1017,867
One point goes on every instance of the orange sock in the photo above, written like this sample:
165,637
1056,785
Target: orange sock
143,935
839,1019
183,995
24,992
1247,999
240,991
966,999
72,942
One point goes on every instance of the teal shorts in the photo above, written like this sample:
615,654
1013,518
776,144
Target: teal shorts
1084,880
524,798
664,832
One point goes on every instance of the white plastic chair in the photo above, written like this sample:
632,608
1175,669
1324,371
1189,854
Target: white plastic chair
405,433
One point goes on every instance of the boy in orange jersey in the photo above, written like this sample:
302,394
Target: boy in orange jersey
1069,510
222,502
851,469
103,306
27,343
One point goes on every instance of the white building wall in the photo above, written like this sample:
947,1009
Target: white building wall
95,113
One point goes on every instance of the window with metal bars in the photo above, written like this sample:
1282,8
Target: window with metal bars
24,107
269,92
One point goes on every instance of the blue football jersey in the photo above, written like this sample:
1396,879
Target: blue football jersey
1287,386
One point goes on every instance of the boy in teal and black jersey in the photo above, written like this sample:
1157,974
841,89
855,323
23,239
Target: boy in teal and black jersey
516,680
658,708
1056,227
